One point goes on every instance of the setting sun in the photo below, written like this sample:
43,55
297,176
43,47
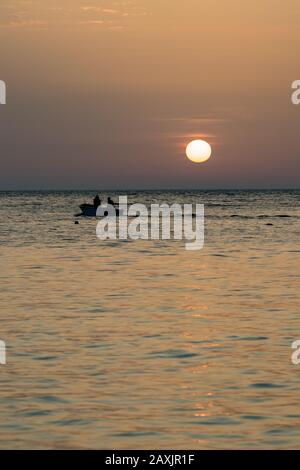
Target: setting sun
198,151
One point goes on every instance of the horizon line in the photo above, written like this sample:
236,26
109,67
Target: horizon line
149,189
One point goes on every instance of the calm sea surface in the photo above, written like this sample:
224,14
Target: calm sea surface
142,344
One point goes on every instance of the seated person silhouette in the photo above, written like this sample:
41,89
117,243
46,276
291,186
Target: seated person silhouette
110,201
97,201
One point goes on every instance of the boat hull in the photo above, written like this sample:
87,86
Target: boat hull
88,210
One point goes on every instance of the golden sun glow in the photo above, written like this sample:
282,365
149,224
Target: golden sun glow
198,151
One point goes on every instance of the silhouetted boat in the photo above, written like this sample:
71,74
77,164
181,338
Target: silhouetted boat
89,210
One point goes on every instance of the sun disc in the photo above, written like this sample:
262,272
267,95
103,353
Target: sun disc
198,151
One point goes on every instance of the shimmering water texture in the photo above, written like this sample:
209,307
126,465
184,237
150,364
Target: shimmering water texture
142,344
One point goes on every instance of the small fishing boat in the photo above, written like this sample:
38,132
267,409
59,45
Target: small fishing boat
89,210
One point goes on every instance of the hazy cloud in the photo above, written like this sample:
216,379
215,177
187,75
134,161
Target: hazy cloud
35,14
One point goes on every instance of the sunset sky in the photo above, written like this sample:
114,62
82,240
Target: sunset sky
106,94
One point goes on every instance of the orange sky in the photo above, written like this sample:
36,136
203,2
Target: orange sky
108,93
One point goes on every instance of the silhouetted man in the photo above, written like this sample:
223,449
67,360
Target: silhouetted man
97,201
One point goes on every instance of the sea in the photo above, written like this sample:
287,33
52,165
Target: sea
141,344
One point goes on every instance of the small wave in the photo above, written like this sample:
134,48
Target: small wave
262,216
266,385
173,353
266,216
